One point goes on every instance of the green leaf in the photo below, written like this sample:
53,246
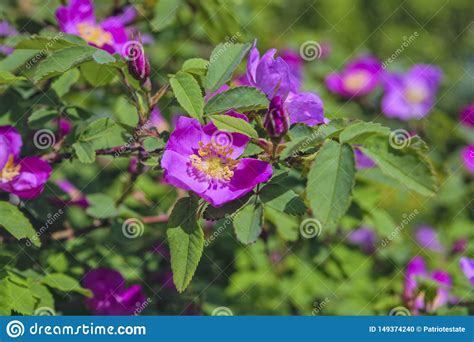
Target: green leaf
241,99
101,206
301,144
125,112
96,74
213,213
358,132
58,262
13,220
44,297
5,295
248,223
152,143
330,182
8,78
102,133
41,116
229,123
282,199
197,66
64,283
21,299
407,165
164,14
186,250
17,59
51,43
64,83
84,152
184,214
60,61
103,57
188,93
224,60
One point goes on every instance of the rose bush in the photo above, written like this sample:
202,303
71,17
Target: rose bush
173,158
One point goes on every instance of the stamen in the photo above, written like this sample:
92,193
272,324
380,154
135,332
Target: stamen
10,170
94,34
415,95
213,160
356,80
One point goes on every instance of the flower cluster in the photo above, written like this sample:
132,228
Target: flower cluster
410,95
274,77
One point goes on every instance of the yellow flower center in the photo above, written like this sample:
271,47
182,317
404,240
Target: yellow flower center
94,34
213,160
415,95
356,80
10,170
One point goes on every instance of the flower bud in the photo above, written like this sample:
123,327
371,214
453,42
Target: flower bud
277,121
138,65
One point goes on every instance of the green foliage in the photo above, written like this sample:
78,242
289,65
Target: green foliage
223,61
330,183
186,249
248,223
188,93
17,224
360,131
406,165
228,123
64,83
260,259
64,283
196,66
241,99
60,61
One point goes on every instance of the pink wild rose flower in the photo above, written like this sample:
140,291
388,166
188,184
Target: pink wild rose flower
204,160
78,19
413,94
24,177
358,78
